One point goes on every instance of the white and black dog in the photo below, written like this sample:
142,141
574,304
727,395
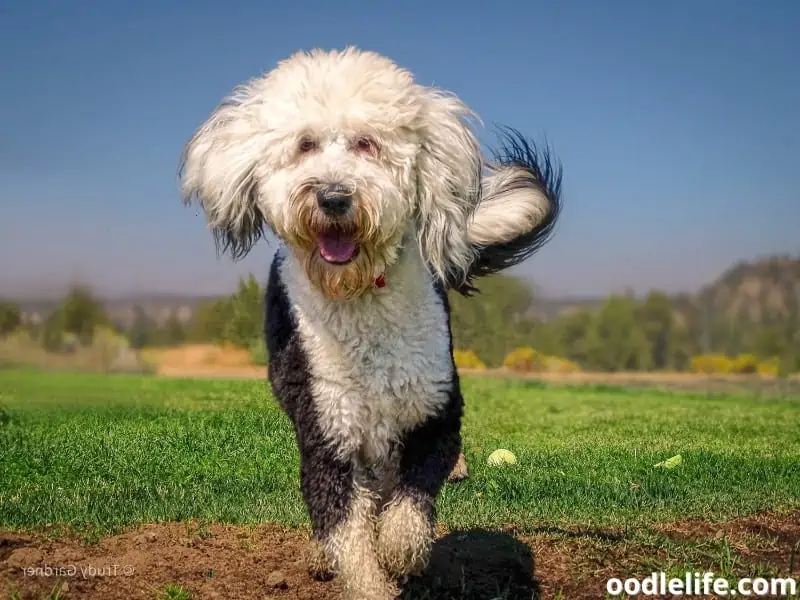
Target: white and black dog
378,190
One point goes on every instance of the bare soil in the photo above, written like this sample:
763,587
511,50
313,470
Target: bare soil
266,562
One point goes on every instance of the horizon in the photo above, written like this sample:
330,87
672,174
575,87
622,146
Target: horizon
677,127
146,296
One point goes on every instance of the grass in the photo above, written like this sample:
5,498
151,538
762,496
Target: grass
174,591
98,453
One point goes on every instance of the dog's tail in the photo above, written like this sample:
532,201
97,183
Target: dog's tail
520,204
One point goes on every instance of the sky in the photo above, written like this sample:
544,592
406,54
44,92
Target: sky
677,123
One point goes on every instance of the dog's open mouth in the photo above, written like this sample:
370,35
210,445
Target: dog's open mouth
337,246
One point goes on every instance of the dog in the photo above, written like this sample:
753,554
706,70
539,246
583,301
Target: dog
382,200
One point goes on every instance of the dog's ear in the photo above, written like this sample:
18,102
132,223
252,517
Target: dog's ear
217,170
448,182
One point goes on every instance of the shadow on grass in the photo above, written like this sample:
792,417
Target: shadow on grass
476,564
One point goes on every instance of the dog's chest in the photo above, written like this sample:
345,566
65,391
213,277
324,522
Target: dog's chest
378,370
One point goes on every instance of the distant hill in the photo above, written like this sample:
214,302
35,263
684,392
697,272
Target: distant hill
757,291
753,305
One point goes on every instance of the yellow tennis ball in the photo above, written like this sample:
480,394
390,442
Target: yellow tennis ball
501,457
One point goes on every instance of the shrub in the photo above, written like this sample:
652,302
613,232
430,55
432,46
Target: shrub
10,317
109,345
258,352
744,364
711,364
525,360
467,359
770,367
557,364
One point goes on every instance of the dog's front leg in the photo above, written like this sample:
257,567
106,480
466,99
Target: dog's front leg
343,519
406,524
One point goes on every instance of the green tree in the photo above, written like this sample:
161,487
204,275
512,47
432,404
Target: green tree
210,321
172,333
494,321
681,348
246,313
615,341
656,319
236,319
80,312
53,332
545,337
10,316
573,332
143,329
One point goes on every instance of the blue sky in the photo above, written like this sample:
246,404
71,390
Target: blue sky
678,124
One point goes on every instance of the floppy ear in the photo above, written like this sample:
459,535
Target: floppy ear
448,182
217,170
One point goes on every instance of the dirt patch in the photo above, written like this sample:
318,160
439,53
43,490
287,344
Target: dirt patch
266,562
199,358
218,561
766,539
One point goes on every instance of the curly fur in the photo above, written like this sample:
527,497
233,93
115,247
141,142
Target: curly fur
360,349
405,536
352,544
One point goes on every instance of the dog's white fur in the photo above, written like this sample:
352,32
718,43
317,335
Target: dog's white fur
377,361
379,356
506,211
244,167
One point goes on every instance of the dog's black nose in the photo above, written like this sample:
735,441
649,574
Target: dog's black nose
334,200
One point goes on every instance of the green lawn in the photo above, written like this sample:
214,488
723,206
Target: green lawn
102,452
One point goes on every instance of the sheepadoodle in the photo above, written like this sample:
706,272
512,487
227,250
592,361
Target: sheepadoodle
381,197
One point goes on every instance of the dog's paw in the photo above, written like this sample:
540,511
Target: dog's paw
319,564
379,591
368,583
405,536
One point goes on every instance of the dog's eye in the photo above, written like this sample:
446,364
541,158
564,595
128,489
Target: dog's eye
366,145
306,145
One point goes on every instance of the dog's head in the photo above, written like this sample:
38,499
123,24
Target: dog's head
341,155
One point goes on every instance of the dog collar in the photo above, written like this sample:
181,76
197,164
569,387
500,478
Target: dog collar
380,281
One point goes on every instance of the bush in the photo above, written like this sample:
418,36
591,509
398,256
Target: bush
109,344
770,367
525,360
711,364
10,317
556,364
258,352
467,359
80,314
745,364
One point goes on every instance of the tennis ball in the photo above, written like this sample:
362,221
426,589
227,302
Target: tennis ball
500,457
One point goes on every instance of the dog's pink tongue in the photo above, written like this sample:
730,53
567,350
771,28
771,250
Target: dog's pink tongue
335,247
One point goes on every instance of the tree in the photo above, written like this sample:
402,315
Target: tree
237,319
494,321
655,317
171,333
572,333
680,348
142,331
246,313
53,333
615,341
80,313
10,316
